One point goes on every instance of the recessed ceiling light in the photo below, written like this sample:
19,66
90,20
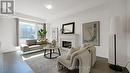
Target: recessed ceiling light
48,6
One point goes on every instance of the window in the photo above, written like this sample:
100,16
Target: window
28,30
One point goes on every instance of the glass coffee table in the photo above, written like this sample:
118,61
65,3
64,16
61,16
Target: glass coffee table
51,52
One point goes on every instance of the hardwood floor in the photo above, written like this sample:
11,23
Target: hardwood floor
13,63
42,65
1,63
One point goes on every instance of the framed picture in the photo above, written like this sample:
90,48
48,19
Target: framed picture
91,33
68,28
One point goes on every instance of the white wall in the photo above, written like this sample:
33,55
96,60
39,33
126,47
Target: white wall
48,34
7,34
24,17
106,14
99,13
128,27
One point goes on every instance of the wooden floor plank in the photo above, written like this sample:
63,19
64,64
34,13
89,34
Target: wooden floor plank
13,63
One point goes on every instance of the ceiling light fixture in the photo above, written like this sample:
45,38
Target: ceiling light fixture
48,6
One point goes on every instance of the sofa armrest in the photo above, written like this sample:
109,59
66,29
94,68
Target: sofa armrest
24,47
128,66
92,50
81,59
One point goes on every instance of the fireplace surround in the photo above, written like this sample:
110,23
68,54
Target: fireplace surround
72,40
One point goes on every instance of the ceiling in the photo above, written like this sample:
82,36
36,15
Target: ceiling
61,8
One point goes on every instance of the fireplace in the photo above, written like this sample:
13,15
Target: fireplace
66,44
68,40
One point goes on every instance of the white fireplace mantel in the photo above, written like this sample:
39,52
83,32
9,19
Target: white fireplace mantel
73,38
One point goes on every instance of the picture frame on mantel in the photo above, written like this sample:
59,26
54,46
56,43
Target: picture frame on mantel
68,28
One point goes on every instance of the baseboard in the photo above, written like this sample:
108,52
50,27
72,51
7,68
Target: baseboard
8,50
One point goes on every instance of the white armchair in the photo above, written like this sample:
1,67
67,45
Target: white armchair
82,59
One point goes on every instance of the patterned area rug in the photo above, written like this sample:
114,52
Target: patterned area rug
40,64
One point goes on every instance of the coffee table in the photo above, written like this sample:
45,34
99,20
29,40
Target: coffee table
50,52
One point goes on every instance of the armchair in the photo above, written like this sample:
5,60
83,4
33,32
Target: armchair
128,66
82,59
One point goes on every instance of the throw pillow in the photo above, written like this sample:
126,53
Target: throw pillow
72,50
86,44
31,42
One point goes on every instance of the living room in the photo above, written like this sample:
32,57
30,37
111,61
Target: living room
111,17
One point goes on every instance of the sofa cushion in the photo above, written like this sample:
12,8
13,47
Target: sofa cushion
39,43
72,50
35,47
31,42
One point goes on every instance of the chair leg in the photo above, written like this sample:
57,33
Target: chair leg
44,52
53,50
50,53
59,66
59,51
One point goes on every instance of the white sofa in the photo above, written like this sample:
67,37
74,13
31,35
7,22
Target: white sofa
31,45
82,59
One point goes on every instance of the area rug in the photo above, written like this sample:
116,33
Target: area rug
40,64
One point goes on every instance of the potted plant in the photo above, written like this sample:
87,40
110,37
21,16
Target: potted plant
41,35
